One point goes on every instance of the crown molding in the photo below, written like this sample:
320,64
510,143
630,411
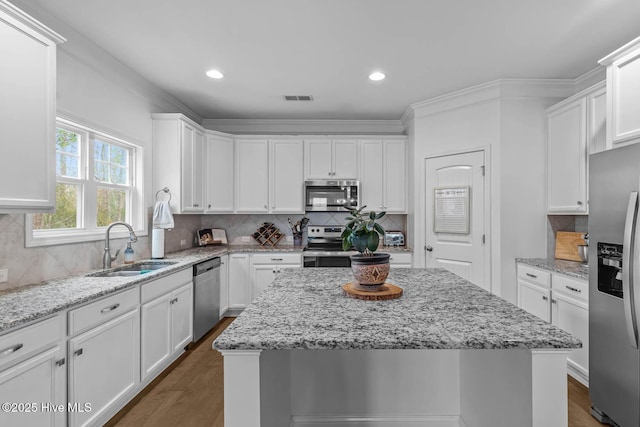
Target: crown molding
590,78
620,52
304,127
22,17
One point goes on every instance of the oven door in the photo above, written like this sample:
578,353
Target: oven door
326,260
328,196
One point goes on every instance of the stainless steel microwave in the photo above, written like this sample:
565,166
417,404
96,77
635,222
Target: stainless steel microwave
331,195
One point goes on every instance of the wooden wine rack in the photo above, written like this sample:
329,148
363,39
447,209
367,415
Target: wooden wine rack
268,234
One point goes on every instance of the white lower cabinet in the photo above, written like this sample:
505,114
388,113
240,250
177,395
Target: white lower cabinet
166,322
33,375
224,284
562,301
266,267
239,281
104,369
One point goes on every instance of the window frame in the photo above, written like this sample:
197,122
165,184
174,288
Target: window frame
87,230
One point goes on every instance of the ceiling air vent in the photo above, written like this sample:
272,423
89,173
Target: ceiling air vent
298,98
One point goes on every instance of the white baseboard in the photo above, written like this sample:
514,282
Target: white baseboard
577,372
368,421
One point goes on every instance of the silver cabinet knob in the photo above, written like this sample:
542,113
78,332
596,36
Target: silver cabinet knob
266,207
579,203
429,248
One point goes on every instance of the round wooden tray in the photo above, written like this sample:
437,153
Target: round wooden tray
388,291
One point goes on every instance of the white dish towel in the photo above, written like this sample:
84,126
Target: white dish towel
162,217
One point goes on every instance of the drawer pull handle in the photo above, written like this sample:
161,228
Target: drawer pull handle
571,288
532,275
61,362
110,308
11,349
78,352
173,301
276,259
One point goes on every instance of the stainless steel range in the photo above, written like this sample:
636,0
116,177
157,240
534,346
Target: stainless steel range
324,247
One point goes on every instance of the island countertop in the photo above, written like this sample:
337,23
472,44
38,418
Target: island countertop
306,309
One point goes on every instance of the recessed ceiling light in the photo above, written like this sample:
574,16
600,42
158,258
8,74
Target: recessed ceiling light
377,76
215,74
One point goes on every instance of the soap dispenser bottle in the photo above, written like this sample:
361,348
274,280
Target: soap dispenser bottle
128,254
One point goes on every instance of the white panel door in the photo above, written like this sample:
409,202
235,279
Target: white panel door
535,300
181,317
572,315
155,334
345,159
191,169
463,253
263,276
219,175
239,281
317,159
395,177
224,284
287,176
252,176
371,175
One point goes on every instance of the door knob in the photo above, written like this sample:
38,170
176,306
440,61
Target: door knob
428,248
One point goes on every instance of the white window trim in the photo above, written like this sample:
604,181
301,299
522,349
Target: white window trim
138,218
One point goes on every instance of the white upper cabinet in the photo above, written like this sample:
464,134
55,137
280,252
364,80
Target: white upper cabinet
178,152
252,175
383,175
623,94
286,183
28,111
331,158
576,127
219,174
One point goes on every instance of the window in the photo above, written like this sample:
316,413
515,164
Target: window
96,184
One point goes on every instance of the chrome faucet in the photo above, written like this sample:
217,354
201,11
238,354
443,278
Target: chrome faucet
107,258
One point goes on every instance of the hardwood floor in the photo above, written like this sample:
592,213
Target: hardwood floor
190,393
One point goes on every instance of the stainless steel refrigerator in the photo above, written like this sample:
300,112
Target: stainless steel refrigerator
614,285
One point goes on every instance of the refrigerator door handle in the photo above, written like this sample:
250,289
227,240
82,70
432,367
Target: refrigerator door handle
629,268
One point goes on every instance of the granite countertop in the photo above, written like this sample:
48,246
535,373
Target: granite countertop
23,305
570,268
306,309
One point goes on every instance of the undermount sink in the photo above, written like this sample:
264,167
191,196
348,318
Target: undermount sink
134,269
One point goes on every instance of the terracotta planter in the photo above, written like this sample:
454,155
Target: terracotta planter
370,272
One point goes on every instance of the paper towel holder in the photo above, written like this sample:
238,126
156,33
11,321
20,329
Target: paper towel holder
164,190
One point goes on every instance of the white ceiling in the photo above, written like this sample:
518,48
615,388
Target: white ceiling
327,48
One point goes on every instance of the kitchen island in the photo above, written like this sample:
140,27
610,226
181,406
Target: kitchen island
447,353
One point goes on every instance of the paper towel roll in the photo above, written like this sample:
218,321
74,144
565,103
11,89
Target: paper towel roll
157,243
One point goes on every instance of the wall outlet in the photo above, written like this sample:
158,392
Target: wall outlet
4,275
183,242
246,239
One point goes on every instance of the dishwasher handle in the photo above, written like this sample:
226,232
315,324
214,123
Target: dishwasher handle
205,266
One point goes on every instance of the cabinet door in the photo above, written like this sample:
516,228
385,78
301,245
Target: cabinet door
224,284
597,131
263,276
39,380
191,168
181,317
573,316
155,335
395,177
28,110
252,176
567,158
371,175
317,159
535,300
345,159
623,80
104,367
219,173
239,281
287,176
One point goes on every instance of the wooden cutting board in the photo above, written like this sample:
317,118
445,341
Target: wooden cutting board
567,245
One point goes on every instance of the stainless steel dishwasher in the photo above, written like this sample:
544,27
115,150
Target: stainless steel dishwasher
206,297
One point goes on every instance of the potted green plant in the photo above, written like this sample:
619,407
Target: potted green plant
362,232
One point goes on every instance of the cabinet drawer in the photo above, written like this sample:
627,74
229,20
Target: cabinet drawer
400,258
31,339
102,310
534,275
276,258
574,287
154,289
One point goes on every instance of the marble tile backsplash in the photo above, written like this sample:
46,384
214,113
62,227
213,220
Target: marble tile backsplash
33,265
